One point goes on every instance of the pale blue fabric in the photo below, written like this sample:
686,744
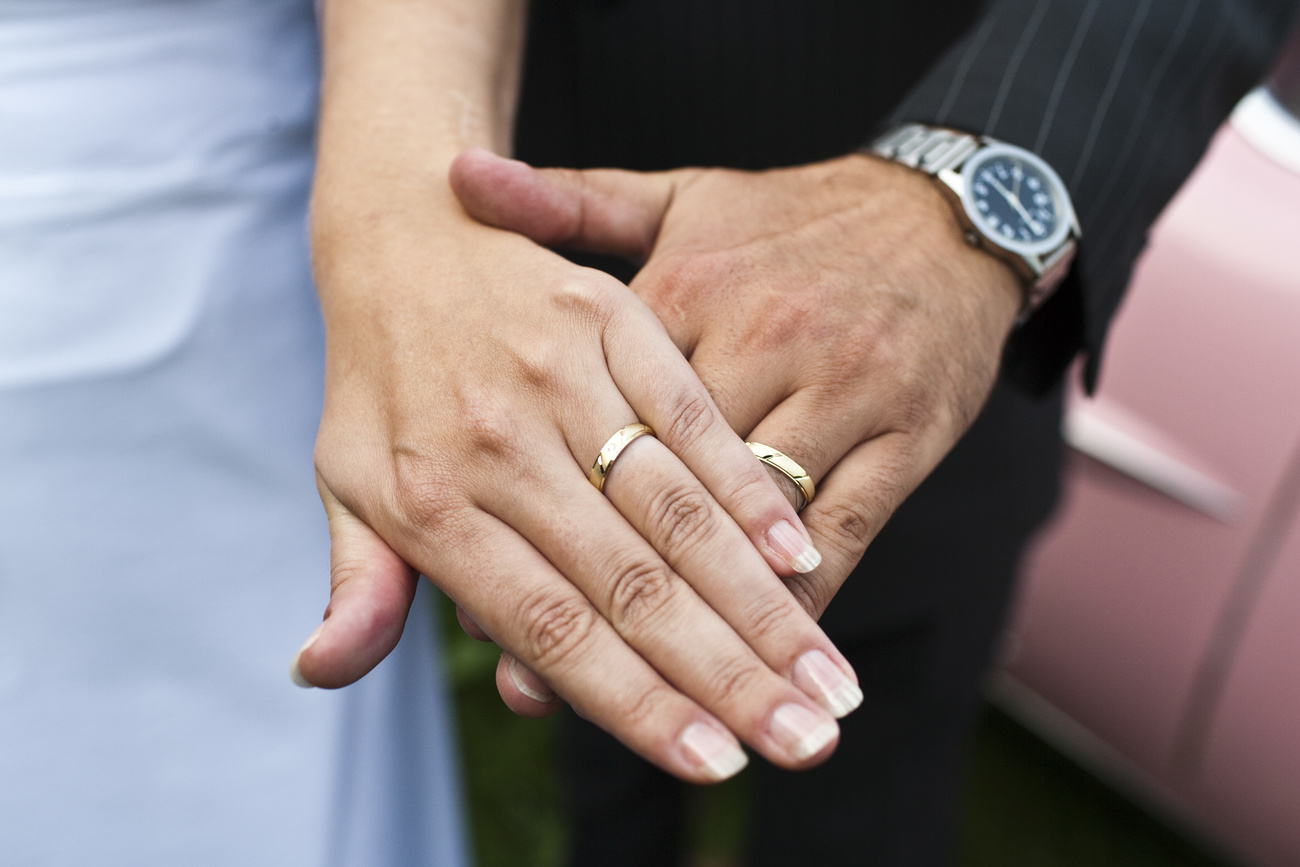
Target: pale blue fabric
162,550
397,803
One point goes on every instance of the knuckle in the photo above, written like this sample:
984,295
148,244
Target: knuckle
588,297
683,516
908,388
782,322
675,287
803,445
682,274
554,629
767,616
690,418
907,396
732,677
914,402
641,708
849,529
422,496
853,364
812,595
640,589
895,474
487,425
750,489
540,369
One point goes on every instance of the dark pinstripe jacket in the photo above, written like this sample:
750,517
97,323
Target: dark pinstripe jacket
1120,96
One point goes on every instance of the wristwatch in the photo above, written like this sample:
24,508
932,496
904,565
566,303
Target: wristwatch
1008,200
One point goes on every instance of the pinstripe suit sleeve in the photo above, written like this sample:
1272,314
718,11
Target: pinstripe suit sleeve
1122,98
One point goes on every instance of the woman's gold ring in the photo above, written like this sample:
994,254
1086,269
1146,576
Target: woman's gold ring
612,449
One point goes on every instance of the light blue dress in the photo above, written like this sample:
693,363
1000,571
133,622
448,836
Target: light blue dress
162,550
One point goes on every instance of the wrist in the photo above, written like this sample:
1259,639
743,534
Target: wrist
1009,202
363,230
935,236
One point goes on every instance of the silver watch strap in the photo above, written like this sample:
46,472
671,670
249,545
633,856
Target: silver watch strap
927,148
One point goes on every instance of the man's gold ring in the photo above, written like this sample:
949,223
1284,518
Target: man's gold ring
788,468
612,448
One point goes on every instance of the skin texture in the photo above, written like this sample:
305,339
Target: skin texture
473,375
834,311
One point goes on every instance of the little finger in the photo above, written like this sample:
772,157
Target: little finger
523,691
854,501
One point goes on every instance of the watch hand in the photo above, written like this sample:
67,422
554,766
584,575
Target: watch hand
1013,201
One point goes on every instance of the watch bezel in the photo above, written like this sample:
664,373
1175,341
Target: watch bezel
1060,199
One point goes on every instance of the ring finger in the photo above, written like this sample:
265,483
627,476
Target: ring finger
661,616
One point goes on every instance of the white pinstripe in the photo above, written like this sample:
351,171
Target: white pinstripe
1112,84
1013,63
1063,74
1157,151
967,60
1137,122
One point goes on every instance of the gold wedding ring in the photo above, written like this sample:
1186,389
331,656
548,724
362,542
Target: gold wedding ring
788,468
612,449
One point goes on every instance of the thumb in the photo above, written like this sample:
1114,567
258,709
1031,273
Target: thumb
371,589
598,210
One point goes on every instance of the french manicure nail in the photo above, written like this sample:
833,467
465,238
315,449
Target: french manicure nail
822,679
802,731
530,684
295,674
716,754
793,547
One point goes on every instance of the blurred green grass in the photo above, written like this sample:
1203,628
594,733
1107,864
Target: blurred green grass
508,761
1027,805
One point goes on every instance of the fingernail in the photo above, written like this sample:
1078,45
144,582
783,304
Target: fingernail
793,547
716,754
530,684
822,679
295,674
802,731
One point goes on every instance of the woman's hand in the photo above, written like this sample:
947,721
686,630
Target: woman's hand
472,379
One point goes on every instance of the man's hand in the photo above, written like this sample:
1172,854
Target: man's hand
833,311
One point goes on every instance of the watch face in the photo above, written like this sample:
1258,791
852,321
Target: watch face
1016,200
